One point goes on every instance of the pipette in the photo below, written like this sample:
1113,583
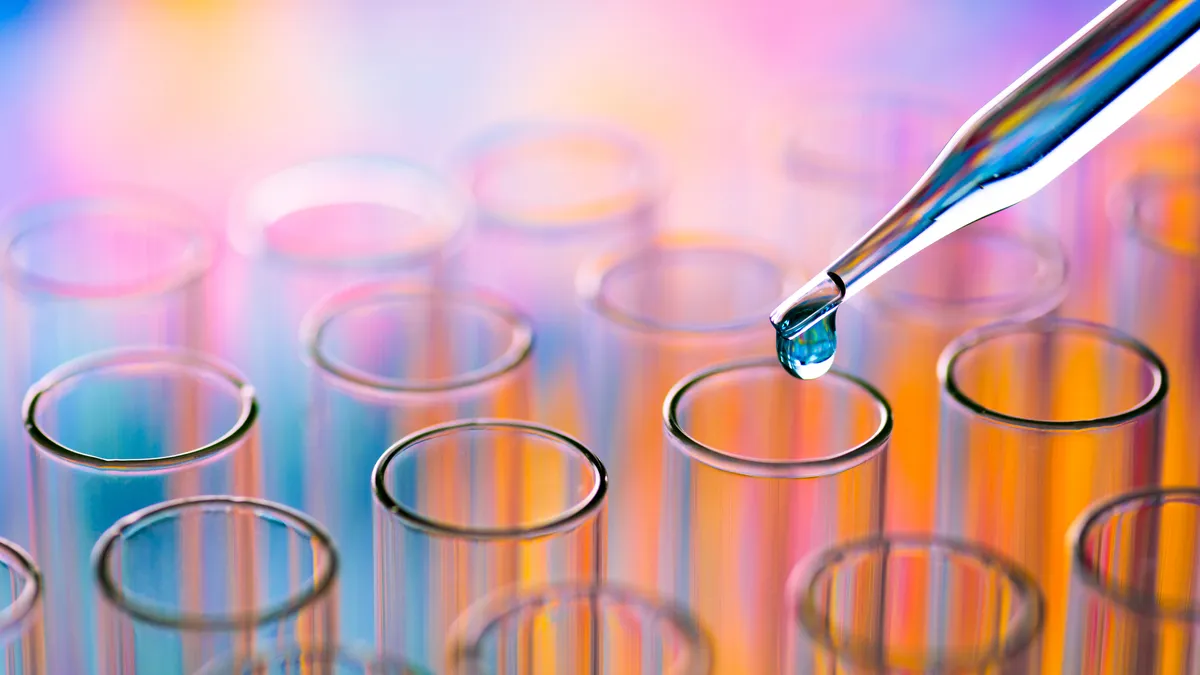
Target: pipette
1024,138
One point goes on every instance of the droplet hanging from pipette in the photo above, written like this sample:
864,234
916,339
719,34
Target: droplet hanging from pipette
809,354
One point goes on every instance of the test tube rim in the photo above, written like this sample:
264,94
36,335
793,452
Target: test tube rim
372,294
15,617
194,363
1188,612
297,521
1135,224
1049,291
246,233
507,135
570,519
758,468
169,211
489,612
806,573
360,656
594,272
977,337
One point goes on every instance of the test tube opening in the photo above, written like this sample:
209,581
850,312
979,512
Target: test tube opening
1162,210
910,603
390,339
140,410
139,564
580,628
350,212
117,245
559,177
20,593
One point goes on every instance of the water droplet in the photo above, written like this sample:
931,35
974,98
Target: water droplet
809,355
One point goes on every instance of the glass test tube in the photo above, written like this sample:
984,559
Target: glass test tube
577,628
466,508
976,276
1158,297
187,580
1039,420
389,360
913,604
655,314
115,432
305,232
90,271
22,648
310,660
1135,595
548,196
762,470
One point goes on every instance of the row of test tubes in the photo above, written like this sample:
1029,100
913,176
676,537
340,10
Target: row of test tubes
511,423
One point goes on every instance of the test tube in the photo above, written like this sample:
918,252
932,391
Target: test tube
764,469
88,271
587,629
976,276
114,432
388,360
547,197
187,580
469,507
22,648
1040,420
1158,297
913,604
1134,591
656,313
310,230
309,660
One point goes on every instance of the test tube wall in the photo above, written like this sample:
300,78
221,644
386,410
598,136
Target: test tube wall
22,632
1040,420
310,660
115,432
467,508
388,360
547,197
654,314
763,469
182,582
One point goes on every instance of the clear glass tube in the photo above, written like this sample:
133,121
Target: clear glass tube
309,660
548,196
22,647
310,230
577,628
87,271
893,338
390,360
1039,420
913,604
655,314
1158,296
469,507
115,432
184,581
1135,598
763,470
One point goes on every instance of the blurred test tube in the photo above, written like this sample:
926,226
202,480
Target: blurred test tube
1038,421
89,271
309,660
1135,594
389,360
656,313
307,231
913,604
466,508
22,648
763,470
547,197
896,332
114,432
577,628
184,581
